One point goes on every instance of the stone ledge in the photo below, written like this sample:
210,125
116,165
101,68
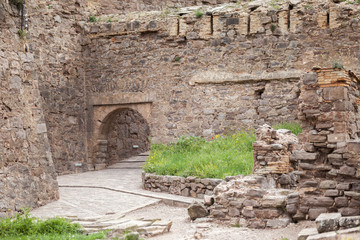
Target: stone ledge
219,77
120,99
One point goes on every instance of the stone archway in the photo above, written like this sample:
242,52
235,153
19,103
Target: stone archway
127,135
106,115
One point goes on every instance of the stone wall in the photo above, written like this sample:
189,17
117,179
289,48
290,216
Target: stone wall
194,67
27,173
54,39
187,187
328,159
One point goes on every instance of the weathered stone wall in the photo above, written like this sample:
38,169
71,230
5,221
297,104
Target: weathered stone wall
329,157
129,136
195,68
187,187
27,173
54,39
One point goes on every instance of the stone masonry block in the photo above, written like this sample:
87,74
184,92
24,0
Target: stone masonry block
349,222
335,93
305,233
338,137
327,184
327,222
302,155
354,147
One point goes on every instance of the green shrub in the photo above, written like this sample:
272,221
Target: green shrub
294,127
337,65
199,13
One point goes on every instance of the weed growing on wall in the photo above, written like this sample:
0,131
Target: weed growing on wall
17,3
199,13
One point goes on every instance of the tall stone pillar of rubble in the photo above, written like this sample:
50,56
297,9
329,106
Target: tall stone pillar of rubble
328,162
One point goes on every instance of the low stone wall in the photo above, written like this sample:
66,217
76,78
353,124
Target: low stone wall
253,201
189,186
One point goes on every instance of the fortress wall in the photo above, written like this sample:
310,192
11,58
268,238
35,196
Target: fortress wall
55,41
207,74
27,173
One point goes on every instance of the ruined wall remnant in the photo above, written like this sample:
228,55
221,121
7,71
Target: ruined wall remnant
27,173
272,151
329,110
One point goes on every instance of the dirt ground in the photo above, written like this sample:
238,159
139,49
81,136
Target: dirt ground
184,229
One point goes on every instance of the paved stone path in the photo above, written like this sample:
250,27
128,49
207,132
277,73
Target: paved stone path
113,191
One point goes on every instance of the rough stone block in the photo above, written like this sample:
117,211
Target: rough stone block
274,201
331,193
349,211
315,138
341,202
278,223
349,222
306,232
335,93
338,137
248,212
318,201
353,147
327,222
302,155
309,78
327,184
315,212
267,213
234,212
346,170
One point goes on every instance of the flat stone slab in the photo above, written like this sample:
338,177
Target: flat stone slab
323,236
305,233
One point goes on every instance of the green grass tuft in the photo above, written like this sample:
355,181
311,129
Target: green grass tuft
199,13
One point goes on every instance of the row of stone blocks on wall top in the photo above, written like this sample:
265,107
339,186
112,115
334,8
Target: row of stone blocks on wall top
217,25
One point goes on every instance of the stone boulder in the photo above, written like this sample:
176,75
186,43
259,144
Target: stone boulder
197,210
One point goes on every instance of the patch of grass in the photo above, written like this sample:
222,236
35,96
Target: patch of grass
24,226
195,156
199,13
93,18
294,127
273,27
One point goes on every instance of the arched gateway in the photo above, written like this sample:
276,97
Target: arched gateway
118,127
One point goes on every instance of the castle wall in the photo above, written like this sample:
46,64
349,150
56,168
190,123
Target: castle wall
27,173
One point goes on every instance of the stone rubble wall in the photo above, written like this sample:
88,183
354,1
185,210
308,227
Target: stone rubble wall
328,158
27,172
187,187
272,151
252,201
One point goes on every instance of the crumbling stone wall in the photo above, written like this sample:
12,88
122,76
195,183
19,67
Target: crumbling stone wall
328,159
129,136
27,173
